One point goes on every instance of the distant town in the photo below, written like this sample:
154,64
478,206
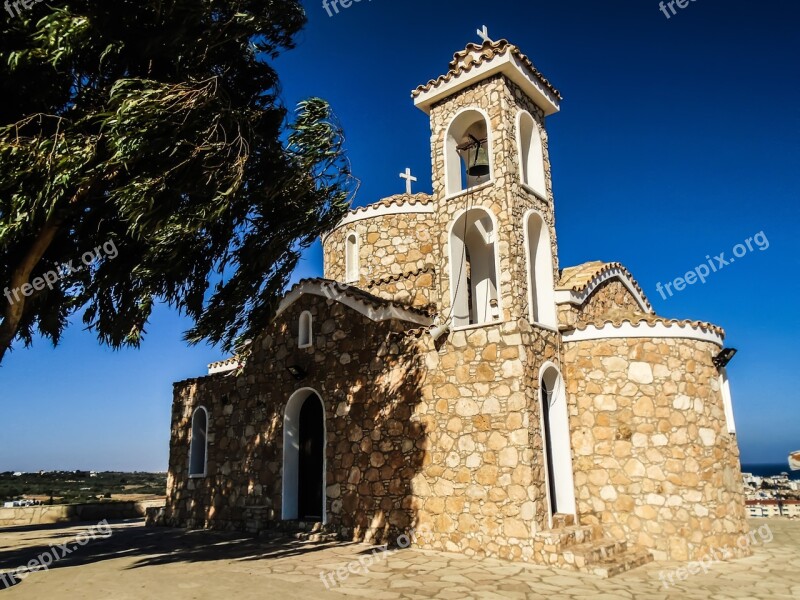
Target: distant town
18,488
772,496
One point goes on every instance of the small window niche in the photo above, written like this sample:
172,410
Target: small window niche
198,446
352,267
305,336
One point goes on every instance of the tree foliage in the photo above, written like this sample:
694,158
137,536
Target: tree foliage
156,125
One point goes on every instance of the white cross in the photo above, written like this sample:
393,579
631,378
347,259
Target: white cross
409,179
484,33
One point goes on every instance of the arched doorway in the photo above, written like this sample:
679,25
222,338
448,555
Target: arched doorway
304,458
556,442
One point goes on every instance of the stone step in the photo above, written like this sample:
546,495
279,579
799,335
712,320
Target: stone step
561,520
620,564
594,552
557,540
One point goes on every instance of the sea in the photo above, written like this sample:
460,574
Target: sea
770,469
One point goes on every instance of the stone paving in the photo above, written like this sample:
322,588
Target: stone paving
142,563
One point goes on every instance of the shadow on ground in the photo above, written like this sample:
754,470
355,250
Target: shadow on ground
154,546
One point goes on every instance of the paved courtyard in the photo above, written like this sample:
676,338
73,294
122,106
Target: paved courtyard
136,562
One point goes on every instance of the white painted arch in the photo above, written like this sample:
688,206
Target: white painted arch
291,454
541,286
560,443
459,125
530,152
488,288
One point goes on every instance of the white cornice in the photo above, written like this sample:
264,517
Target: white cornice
644,330
578,298
338,293
381,210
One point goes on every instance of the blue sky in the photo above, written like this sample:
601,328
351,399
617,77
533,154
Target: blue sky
678,138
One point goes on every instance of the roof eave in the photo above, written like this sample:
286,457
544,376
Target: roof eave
507,64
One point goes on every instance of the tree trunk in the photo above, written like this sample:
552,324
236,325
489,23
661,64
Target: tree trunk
19,277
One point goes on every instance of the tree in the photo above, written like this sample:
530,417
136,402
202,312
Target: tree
147,138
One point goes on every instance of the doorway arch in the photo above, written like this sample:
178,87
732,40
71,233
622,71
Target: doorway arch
559,480
304,458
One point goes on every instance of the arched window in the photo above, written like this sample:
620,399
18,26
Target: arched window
556,441
541,289
198,447
351,258
473,269
531,154
305,337
468,149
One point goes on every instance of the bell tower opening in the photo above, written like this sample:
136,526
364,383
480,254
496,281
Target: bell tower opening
468,150
473,268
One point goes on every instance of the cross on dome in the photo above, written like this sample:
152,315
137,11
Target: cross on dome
409,179
484,34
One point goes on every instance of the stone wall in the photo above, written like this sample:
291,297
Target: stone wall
653,460
389,245
415,288
610,299
368,376
60,513
479,494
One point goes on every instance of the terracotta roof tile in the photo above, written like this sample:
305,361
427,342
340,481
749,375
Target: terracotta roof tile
475,55
364,296
392,278
621,317
396,200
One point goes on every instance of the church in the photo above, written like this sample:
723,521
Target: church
449,375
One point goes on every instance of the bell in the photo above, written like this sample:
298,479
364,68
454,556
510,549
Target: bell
476,158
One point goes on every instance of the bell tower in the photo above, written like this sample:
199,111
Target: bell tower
491,186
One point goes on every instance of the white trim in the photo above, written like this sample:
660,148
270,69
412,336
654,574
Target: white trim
472,190
310,324
478,326
561,444
727,400
291,459
489,143
496,244
224,366
191,445
380,210
643,330
330,291
578,298
530,190
507,64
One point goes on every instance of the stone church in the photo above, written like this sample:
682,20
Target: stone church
448,374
